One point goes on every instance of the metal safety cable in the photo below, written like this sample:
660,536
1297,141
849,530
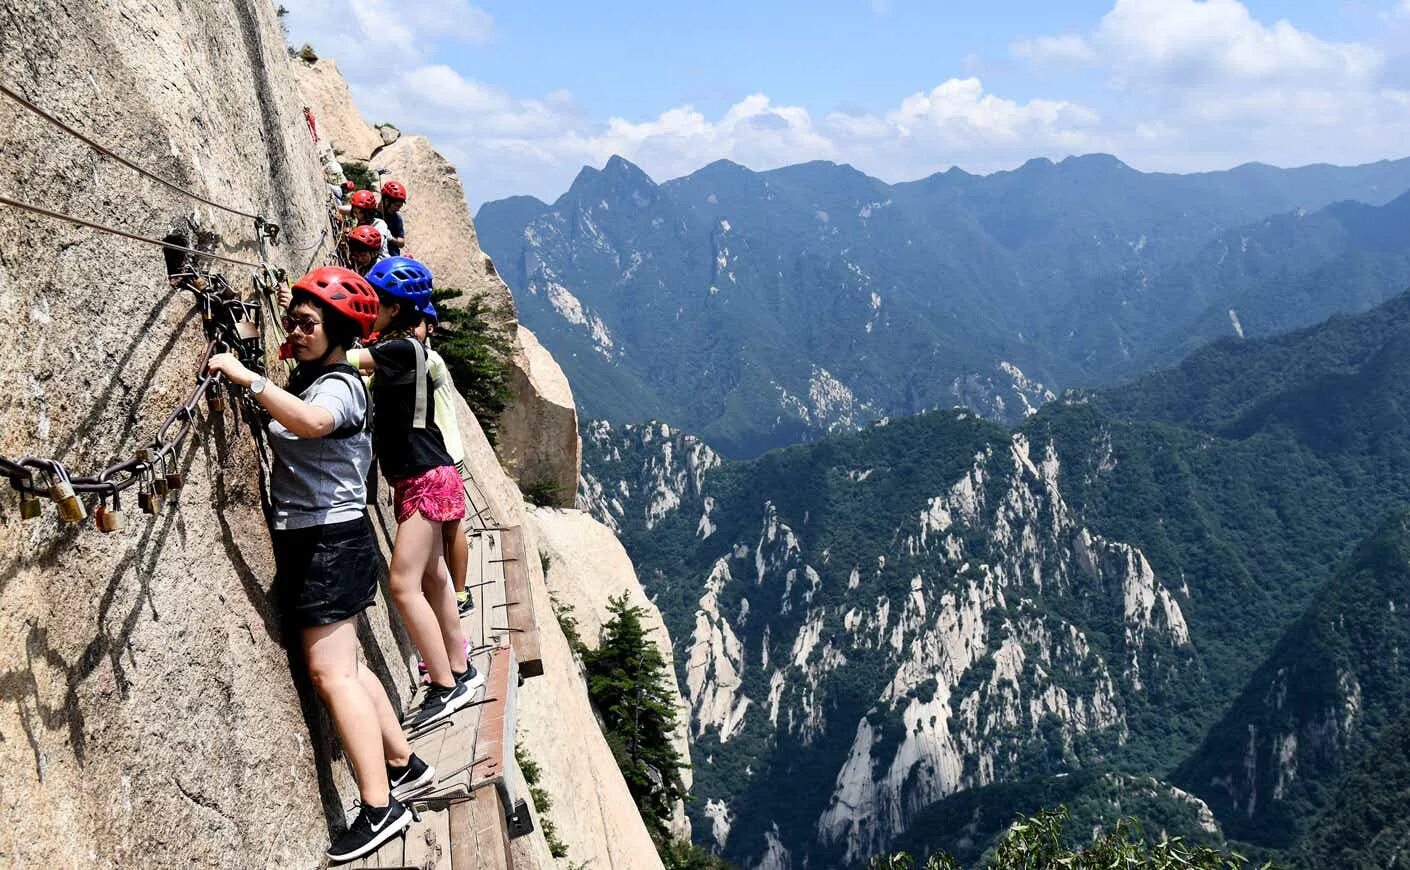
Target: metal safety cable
171,246
108,152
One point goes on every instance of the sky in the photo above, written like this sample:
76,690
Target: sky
521,95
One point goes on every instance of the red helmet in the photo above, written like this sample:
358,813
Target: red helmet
394,190
367,236
344,291
364,199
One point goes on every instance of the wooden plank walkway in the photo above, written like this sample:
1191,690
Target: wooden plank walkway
461,821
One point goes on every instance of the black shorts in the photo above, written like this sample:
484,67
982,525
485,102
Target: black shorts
324,574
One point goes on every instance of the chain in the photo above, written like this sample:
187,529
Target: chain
230,324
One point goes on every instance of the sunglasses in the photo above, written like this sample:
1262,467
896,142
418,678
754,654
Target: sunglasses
306,325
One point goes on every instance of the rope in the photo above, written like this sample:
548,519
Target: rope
108,152
171,246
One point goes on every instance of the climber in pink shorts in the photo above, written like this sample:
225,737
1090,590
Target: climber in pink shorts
412,455
438,495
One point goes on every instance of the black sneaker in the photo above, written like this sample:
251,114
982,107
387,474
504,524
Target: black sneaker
470,678
372,827
464,604
441,701
407,781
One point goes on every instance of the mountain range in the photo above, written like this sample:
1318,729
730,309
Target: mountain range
1184,598
761,309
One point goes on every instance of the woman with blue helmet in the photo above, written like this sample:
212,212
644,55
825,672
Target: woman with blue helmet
427,490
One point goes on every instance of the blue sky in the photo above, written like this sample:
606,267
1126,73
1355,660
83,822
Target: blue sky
520,95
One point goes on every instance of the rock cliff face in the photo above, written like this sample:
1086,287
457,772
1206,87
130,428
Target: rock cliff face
148,716
323,90
539,439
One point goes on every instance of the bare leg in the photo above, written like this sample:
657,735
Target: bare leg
457,553
331,653
441,596
418,543
394,745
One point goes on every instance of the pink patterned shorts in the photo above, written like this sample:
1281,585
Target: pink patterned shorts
437,494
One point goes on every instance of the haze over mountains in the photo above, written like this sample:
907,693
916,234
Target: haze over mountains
760,309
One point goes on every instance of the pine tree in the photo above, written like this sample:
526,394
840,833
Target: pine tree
626,678
473,342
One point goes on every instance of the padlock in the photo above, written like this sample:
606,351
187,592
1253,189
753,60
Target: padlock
108,519
174,480
30,508
159,486
71,509
215,398
148,499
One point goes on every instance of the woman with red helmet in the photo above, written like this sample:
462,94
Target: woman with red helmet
393,198
326,559
366,214
365,247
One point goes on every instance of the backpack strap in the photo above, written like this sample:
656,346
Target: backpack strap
418,417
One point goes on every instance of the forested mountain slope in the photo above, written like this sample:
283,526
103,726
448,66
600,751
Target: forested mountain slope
939,610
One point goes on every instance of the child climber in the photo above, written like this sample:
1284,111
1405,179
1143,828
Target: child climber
426,488
365,214
324,552
393,198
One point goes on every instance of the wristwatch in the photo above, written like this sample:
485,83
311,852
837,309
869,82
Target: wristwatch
257,386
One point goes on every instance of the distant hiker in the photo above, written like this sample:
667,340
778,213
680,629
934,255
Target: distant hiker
325,556
365,246
426,489
365,214
393,198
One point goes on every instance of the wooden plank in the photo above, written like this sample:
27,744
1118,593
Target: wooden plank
428,844
463,845
490,831
519,603
495,746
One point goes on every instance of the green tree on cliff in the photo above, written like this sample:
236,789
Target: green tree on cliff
626,678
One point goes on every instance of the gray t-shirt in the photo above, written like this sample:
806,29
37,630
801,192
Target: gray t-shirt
321,481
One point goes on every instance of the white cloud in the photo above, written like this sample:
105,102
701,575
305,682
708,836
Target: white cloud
1065,48
1192,84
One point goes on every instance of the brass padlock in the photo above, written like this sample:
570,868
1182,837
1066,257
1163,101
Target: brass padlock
159,485
108,519
71,509
174,480
147,498
30,508
215,399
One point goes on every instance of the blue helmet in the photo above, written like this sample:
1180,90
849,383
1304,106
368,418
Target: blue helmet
431,313
402,279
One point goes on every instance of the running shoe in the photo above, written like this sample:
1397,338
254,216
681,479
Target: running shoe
414,777
470,678
440,702
372,827
463,602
